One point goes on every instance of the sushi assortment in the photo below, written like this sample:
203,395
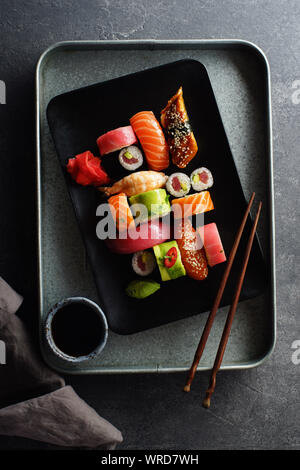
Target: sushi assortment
142,200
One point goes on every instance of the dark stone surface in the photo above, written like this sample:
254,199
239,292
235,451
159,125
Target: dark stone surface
256,408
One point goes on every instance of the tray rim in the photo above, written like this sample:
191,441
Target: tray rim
156,43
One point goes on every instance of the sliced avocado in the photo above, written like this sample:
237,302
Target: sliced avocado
177,270
142,289
183,186
156,202
128,155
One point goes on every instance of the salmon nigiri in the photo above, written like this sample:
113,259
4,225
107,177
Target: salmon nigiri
121,211
152,139
136,183
192,204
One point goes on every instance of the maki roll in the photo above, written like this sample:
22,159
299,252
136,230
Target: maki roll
143,263
178,184
201,179
131,158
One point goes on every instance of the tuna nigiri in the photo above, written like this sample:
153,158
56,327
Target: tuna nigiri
152,139
143,237
116,140
136,183
121,211
212,244
193,204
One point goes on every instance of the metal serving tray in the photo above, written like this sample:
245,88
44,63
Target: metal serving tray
240,76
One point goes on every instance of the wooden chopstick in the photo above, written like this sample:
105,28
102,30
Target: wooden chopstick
211,317
230,317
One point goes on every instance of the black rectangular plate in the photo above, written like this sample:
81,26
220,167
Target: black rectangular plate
77,118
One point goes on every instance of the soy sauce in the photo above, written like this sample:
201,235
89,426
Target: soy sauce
77,329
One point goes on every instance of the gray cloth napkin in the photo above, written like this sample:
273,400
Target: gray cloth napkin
9,299
24,374
60,418
52,412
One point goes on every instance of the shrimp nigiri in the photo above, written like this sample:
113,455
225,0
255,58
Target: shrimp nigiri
136,183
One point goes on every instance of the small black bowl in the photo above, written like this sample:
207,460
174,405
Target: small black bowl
49,333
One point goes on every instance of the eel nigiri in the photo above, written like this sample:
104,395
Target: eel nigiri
194,259
180,137
121,211
192,204
116,139
136,183
212,244
152,139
